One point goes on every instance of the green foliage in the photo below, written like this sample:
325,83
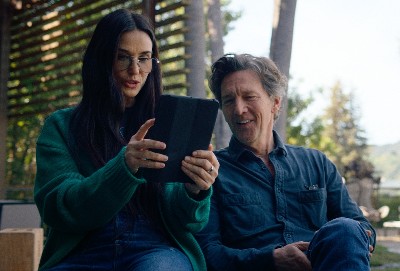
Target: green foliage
393,203
336,132
386,160
348,146
21,155
229,16
382,256
300,130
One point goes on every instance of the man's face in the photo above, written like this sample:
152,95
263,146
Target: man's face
248,108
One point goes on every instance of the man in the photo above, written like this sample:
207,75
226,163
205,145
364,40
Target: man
275,206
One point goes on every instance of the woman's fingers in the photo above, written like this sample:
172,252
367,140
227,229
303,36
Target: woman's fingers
139,152
202,167
141,133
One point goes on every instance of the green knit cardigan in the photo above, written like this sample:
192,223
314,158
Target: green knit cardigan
72,202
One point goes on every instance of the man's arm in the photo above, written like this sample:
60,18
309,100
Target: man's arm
220,257
340,204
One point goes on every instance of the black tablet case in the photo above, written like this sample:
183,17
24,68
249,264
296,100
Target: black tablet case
184,124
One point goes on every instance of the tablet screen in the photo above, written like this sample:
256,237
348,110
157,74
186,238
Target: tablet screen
184,124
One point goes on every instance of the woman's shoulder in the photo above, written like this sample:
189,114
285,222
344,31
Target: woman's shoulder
60,116
56,123
61,113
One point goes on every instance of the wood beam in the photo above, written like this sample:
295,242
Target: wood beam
5,22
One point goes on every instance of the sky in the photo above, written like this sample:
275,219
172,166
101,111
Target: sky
354,42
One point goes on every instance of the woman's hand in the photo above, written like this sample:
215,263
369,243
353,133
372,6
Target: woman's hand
202,167
137,152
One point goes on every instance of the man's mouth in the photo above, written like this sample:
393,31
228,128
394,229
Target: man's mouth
243,122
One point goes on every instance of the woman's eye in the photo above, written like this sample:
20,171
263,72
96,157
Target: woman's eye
123,57
143,59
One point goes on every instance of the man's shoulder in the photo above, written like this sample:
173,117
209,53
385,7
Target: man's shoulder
222,153
295,150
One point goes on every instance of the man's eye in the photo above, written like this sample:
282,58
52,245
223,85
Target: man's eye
251,98
227,101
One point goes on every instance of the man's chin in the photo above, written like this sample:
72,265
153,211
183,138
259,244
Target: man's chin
244,139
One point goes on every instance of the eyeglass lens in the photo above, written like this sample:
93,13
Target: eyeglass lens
145,64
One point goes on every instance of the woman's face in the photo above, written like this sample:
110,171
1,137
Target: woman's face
132,64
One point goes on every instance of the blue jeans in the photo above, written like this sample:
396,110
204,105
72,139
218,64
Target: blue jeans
125,244
340,245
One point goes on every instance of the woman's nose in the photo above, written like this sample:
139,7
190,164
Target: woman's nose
134,68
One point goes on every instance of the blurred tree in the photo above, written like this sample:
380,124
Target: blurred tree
336,132
344,140
301,130
196,49
216,44
281,49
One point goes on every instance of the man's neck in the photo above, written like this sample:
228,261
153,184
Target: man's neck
262,150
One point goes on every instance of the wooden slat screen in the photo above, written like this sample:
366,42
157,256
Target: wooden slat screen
48,39
47,42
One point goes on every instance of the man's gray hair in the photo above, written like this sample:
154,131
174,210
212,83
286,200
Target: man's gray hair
273,81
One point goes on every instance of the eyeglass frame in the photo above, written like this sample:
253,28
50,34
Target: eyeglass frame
138,60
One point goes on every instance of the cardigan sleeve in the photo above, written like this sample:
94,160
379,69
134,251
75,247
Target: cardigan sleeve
67,200
181,211
183,216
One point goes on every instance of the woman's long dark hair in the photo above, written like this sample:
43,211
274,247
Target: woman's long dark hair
95,122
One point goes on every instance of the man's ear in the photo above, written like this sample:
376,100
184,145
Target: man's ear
277,104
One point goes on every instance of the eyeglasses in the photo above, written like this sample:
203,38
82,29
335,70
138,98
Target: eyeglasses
144,63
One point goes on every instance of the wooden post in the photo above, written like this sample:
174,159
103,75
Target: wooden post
5,19
21,249
149,8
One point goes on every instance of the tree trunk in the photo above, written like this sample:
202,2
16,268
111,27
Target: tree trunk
281,49
196,50
215,31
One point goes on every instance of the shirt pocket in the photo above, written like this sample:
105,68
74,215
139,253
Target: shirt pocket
313,208
243,214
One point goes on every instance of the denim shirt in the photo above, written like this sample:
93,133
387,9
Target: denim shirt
254,212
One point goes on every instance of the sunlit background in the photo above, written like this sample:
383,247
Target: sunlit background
356,42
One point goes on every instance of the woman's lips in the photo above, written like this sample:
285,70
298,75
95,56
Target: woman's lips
131,84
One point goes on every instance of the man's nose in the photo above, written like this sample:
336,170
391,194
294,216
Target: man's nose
240,107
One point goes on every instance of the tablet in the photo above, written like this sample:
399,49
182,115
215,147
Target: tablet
184,124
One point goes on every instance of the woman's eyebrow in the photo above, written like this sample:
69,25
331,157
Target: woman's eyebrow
127,51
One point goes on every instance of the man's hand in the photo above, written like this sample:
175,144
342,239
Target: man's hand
371,248
292,257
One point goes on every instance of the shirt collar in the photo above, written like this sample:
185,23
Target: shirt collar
236,148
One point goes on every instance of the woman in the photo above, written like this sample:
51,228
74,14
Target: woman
100,213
